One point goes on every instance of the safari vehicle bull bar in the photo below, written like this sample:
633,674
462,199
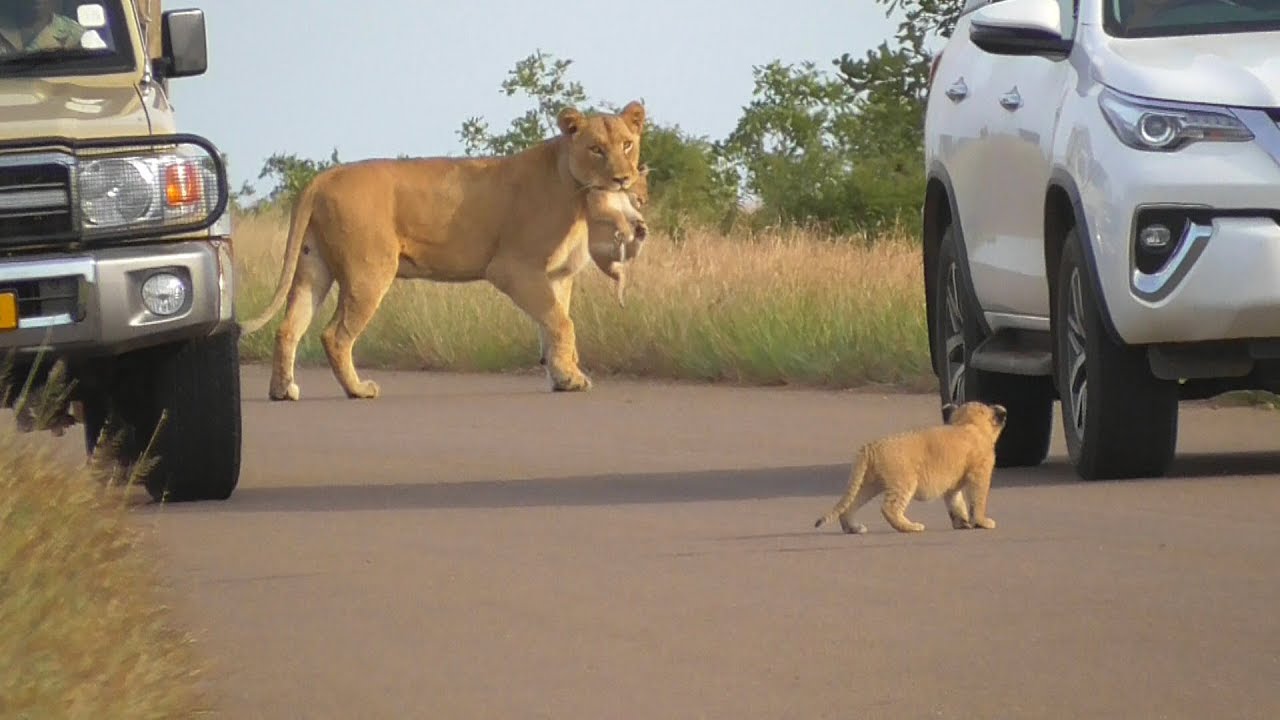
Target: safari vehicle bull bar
65,193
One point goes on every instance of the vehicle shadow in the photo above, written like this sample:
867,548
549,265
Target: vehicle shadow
819,481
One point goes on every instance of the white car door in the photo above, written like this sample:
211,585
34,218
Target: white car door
958,126
1008,267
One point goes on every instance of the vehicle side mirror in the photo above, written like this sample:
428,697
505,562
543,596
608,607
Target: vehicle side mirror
184,45
1020,27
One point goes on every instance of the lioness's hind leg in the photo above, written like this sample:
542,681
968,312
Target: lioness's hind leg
958,510
311,286
894,510
357,303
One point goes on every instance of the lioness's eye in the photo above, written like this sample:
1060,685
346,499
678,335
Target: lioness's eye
597,149
626,145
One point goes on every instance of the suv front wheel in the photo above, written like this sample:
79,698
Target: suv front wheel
1028,399
197,385
1121,421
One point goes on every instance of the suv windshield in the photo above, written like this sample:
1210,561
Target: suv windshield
1159,18
63,37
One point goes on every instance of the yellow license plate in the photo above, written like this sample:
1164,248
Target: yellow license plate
8,311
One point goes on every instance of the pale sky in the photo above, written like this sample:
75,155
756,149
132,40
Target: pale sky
380,77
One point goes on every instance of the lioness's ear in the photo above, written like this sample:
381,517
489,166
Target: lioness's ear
1001,413
569,120
643,169
633,114
946,412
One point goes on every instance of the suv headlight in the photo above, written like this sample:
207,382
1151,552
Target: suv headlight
171,188
1167,126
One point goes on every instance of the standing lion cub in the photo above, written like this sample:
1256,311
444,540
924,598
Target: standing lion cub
950,460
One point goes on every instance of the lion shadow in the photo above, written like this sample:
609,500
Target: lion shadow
823,482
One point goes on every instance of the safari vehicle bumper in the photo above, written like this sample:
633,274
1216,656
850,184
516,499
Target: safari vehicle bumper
94,304
1216,276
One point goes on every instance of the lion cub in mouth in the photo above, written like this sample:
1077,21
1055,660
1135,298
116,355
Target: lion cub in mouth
616,229
950,461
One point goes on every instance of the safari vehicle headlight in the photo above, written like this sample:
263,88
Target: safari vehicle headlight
169,185
1147,125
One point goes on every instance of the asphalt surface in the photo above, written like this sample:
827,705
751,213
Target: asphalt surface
476,546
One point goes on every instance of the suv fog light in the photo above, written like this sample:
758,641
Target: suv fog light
1155,237
164,294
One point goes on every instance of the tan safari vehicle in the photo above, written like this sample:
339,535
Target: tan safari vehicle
115,254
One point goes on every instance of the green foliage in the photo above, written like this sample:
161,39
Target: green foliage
292,174
541,77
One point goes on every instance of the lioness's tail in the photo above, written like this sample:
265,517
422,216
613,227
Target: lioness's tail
856,476
292,249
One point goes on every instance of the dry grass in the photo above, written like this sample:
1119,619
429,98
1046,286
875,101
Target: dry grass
780,307
85,633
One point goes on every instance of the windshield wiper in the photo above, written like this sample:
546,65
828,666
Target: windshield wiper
48,57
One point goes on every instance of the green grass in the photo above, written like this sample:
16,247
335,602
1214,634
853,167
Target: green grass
788,307
85,633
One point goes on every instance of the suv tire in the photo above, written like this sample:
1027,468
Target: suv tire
197,451
1119,419
1028,399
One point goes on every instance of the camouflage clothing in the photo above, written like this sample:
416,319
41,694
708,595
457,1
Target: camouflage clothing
61,33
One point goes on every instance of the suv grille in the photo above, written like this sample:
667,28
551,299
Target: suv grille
46,299
35,203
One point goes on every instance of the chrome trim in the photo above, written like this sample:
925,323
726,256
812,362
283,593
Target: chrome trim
1156,286
45,322
44,269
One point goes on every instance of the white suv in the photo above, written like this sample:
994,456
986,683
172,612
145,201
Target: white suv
1102,219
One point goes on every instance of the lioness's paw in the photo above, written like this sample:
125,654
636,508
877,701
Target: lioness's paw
367,390
986,524
914,527
291,392
854,528
961,524
572,383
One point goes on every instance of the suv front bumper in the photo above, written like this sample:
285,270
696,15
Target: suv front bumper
90,303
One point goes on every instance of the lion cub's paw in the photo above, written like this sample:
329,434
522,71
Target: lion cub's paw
986,524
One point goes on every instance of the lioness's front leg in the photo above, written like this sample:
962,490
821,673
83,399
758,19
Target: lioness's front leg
536,296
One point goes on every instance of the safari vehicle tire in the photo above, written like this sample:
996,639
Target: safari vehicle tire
1120,420
197,451
1028,399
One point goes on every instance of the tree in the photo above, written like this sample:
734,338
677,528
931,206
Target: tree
292,174
541,77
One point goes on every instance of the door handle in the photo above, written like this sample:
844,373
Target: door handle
958,91
1011,100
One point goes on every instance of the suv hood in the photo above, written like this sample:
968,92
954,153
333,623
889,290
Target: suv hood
32,107
1240,70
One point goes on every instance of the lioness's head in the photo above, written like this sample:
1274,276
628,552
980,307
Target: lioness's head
604,150
990,418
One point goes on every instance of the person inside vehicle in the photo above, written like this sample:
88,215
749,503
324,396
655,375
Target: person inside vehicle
34,26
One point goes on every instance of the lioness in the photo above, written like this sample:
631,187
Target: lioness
950,460
518,222
617,229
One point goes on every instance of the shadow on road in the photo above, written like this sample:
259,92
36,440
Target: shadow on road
822,481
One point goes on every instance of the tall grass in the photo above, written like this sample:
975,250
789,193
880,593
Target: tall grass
84,631
774,307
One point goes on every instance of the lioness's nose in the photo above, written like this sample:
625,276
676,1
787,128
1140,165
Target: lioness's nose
621,180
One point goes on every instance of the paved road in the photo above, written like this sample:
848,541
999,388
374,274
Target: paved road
469,547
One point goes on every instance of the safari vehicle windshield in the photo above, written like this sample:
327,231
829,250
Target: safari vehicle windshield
1166,18
63,37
